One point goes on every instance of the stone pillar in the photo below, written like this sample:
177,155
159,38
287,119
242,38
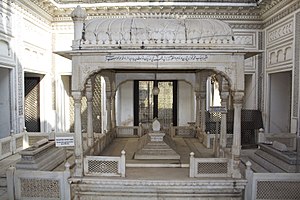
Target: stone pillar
78,16
108,109
197,109
113,110
78,134
202,111
223,134
236,144
89,97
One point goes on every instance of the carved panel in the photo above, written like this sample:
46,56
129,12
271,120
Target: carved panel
280,55
40,188
20,90
280,32
246,40
5,22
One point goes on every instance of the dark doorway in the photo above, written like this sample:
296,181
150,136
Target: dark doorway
32,104
162,106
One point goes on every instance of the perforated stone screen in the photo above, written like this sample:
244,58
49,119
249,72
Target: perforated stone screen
103,167
212,168
278,190
19,142
40,188
5,147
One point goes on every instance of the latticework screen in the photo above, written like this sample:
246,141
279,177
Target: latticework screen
40,188
212,168
19,142
278,190
251,122
6,147
103,167
32,104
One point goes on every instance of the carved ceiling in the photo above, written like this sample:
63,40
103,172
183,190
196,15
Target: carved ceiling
253,10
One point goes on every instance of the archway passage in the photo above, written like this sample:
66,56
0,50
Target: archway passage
148,106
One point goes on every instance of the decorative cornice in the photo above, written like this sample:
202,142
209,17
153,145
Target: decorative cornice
286,11
231,10
35,12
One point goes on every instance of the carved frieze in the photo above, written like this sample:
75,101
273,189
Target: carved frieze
246,39
159,32
278,33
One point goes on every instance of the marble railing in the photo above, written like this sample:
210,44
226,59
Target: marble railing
38,184
271,185
125,131
182,131
105,165
13,144
130,131
209,167
17,142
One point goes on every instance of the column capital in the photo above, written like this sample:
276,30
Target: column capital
238,97
76,96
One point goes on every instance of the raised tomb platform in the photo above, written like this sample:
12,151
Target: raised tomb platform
153,146
43,155
274,157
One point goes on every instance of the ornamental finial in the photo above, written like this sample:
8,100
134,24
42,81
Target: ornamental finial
78,14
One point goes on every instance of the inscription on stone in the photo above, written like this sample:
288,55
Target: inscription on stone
154,58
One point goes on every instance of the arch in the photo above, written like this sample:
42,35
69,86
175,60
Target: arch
288,53
280,55
108,82
223,74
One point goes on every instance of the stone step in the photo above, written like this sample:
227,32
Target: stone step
162,188
267,165
254,166
288,157
276,162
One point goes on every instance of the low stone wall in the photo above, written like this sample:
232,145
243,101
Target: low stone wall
271,186
128,189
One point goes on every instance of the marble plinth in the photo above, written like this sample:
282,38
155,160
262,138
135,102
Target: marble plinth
41,156
156,149
278,161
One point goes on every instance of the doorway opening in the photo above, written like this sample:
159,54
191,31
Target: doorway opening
148,106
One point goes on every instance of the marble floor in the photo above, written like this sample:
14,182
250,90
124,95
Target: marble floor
183,146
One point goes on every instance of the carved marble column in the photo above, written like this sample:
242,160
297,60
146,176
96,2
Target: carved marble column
113,110
89,97
202,111
78,134
236,144
224,104
108,109
197,93
223,135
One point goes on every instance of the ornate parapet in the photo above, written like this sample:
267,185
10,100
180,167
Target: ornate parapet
146,33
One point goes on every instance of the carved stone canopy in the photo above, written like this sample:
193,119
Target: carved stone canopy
147,31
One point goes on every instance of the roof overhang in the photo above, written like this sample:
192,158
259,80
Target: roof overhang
70,54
